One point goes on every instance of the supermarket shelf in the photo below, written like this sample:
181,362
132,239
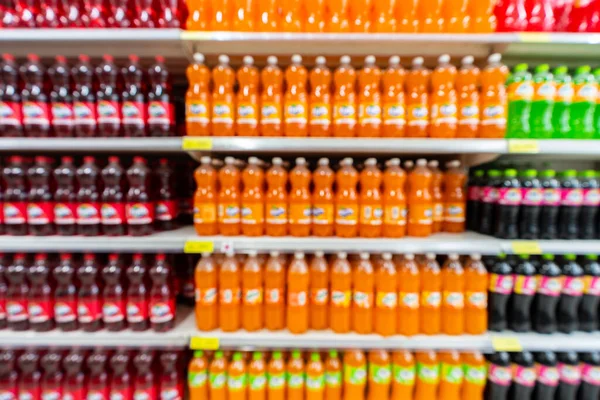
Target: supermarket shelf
577,341
92,145
555,246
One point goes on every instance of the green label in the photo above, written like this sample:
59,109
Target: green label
452,373
196,379
295,381
355,375
404,375
380,374
236,382
333,379
258,382
277,381
475,375
315,382
217,381
428,373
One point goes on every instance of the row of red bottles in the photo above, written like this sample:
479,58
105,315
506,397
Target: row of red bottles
72,294
73,105
99,374
88,201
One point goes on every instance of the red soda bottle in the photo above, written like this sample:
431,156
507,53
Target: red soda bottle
97,383
26,13
511,15
16,294
96,13
61,102
52,378
8,16
119,14
144,14
144,385
36,117
48,14
139,206
71,16
108,106
89,303
113,308
11,120
168,16
74,385
40,208
133,106
120,385
170,382
113,202
162,298
3,289
65,208
161,114
84,100
29,379
8,376
40,304
165,210
88,206
15,197
137,295
540,16
65,294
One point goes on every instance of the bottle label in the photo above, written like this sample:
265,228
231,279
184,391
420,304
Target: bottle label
270,113
420,214
320,296
571,197
394,114
549,285
454,300
380,374
113,213
139,213
161,311
84,113
468,114
520,91
499,375
236,383
523,376
387,300
295,112
590,374
322,214
88,214
258,382
347,214
137,311
333,379
431,299
276,381
273,296
547,375
222,112
315,382
418,115
455,212
109,112
64,213
62,113
404,375
565,92
16,310
474,193
501,284
75,394
277,213
525,285
544,91
10,113
320,114
362,299
569,374
493,114
532,196
344,114
15,213
120,394
160,112
247,113
165,210
369,113
51,394
40,213
409,300
229,214
371,215
438,212
197,111
35,113
204,213
428,373
300,213
477,300
355,375
6,394
253,297
253,214
591,197
586,92
113,311
475,375
452,373
170,393
297,299
65,311
444,113
551,197
88,310
2,309
509,196
489,194
340,298
295,381
40,311
230,296
133,112
217,381
395,215
573,286
592,285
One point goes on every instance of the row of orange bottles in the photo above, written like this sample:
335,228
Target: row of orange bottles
364,295
371,203
378,375
443,103
404,16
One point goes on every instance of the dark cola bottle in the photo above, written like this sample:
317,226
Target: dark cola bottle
29,378
529,218
121,383
550,204
489,198
570,205
89,303
507,208
11,119
137,294
570,376
161,115
74,383
15,197
170,386
589,206
9,387
40,208
571,296
97,383
523,293
84,99
139,205
113,199
52,376
474,197
166,207
61,102
523,379
133,106
547,376
548,293
499,377
36,117
113,309
65,196
500,291
40,307
144,384
88,198
17,294
162,296
108,105
588,308
65,294
590,376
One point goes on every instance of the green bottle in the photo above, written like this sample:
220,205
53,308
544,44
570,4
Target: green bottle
584,104
562,105
543,103
597,112
520,95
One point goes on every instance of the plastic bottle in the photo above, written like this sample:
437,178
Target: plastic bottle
476,296
65,208
508,205
223,112
61,104
379,375
11,120
493,98
253,213
119,15
476,185
65,294
257,377
166,207
438,209
362,299
370,200
274,287
161,303
524,376
333,376
295,99
583,107
205,277
403,375
499,377
252,294
524,290
417,99
299,199
547,375
276,380
339,17
456,17
319,292
549,288
36,115
369,100
297,296
443,100
386,299
427,376
120,384
137,295
276,207
393,114
542,105
451,375
394,200
97,382
74,383
170,381
39,303
455,204
197,97
570,376
217,377
108,106
139,208
271,99
113,201
323,199
3,290
113,296
145,383
500,290
420,222
531,204
341,283
315,378
355,375
474,376
512,16
570,205
40,208
589,206
8,375
467,82
590,384
550,204
228,199
588,318
453,304
247,99
346,200
17,294
562,103
161,111
198,376
295,377
320,99
89,301
133,105
29,378
229,294
571,295
431,297
84,99
88,206
520,95
344,99
429,15
205,203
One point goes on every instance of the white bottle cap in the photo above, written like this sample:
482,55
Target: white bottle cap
323,162
223,59
467,61
433,164
297,59
342,255
345,60
365,256
229,253
409,257
320,61
393,162
495,58
300,161
370,162
453,164
199,58
272,60
476,257
319,254
430,256
421,162
453,256
277,161
206,255
252,253
444,59
346,161
205,160
394,61
274,254
386,256
229,160
253,161
418,62
248,60
299,255
369,61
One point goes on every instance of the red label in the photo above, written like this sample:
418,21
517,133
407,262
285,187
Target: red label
591,197
15,213
509,196
88,214
113,311
41,213
160,112
65,310
113,213
109,112
133,112
96,395
16,310
120,394
84,113
144,394
161,311
140,213
75,394
64,213
52,394
137,311
590,374
571,197
8,394
532,196
170,393
35,113
569,374
489,194
474,193
27,394
62,113
88,310
2,308
10,113
551,197
40,311
165,210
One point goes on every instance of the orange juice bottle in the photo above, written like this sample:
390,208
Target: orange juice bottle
217,377
292,18
420,202
456,19
380,375
437,179
315,378
274,292
271,98
237,378
355,375
369,99
360,12
198,377
222,16
403,375
315,11
257,377
428,376
197,98
474,376
408,296
322,199
363,285
205,202
247,99
394,115
276,377
386,297
429,14
431,298
268,19
344,99
443,100
320,99
417,100
229,294
482,15
295,99
223,110
346,200
295,377
229,222
476,279
493,99
299,199
319,292
199,15
453,304
451,376
252,293
371,201
297,300
384,18
244,15
205,277
333,376
467,91
341,291
394,200
253,206
339,16
406,16
276,199
455,201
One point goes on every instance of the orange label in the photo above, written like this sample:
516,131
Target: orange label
438,212
319,296
322,214
420,214
222,112
297,299
230,296
273,296
395,215
387,299
455,212
253,296
454,299
544,91
320,114
408,300
493,113
295,112
205,213
300,213
585,92
253,214
520,91
270,113
369,113
197,111
344,113
229,213
371,215
347,214
394,114
477,300
340,299
277,213
468,114
362,299
431,299
247,113
444,113
417,115
206,297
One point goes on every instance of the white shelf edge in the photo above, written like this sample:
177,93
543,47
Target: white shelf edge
93,145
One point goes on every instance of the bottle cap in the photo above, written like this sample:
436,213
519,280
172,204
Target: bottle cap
386,256
199,58
588,173
198,354
138,256
409,257
276,161
89,159
433,164
299,255
444,59
521,68
453,164
320,61
542,68
467,61
229,253
510,173
346,161
430,256
66,256
548,257
229,160
369,61
300,161
323,162
206,255
297,59
113,257
223,59
237,356
371,162
394,61
561,70
248,60
584,69
524,256
493,173
342,255
365,256
592,257
113,159
569,173
253,161
274,254
252,253
393,162
479,173
417,62
495,58
205,160
453,256
421,162
476,257
272,60
570,257
319,254
257,355
345,60
139,160
276,355
161,257
41,257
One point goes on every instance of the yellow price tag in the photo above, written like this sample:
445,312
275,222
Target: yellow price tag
540,37
195,35
204,343
523,146
198,246
510,344
197,143
528,247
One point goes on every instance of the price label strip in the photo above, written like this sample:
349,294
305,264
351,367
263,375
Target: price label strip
197,143
509,344
518,146
528,247
204,343
198,246
530,37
